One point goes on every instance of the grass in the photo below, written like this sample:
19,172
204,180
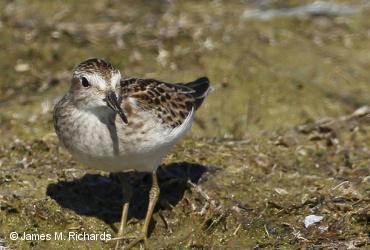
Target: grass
263,173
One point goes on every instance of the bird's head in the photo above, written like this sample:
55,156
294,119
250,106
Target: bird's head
95,84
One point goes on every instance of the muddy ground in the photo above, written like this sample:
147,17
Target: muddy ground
285,134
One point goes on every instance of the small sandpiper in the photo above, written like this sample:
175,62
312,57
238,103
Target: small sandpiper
118,124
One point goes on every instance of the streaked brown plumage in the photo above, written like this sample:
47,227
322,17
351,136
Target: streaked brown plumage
171,103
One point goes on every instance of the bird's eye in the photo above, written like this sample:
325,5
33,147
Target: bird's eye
85,82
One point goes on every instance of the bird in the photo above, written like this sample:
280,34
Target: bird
115,123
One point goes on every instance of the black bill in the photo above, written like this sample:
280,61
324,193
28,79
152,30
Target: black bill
112,102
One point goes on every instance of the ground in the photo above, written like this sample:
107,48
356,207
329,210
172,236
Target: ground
284,135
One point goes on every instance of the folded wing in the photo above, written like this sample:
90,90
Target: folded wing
171,103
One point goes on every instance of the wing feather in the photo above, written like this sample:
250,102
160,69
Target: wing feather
171,103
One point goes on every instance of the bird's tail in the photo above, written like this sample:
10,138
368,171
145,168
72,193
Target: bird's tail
201,89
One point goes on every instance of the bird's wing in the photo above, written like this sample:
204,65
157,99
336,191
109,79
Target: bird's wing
171,103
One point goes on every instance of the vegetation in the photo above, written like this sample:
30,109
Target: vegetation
284,135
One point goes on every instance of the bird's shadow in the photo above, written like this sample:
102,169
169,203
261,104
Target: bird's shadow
101,197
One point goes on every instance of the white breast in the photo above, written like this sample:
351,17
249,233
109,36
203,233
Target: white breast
119,147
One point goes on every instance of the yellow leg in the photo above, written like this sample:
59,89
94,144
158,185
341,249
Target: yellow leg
127,193
153,198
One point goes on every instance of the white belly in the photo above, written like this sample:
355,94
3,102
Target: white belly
120,147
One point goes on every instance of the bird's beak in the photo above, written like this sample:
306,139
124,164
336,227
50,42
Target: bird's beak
112,102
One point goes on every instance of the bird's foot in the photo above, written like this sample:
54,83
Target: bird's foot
140,238
120,241
128,242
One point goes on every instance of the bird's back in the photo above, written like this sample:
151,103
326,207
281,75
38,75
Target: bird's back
170,103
